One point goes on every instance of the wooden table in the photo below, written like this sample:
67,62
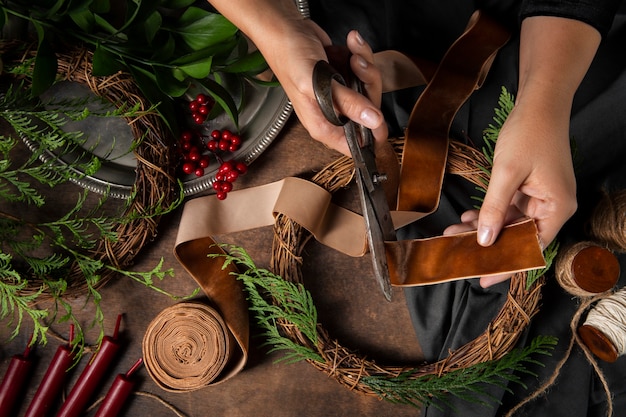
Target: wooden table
348,300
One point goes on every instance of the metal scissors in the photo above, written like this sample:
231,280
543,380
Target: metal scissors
360,139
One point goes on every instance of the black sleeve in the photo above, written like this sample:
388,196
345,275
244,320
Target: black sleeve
597,13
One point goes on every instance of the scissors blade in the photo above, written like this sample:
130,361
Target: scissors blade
378,223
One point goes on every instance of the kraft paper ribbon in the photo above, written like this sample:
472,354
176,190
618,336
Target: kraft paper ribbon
411,262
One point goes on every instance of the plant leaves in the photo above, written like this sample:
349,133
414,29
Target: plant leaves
104,62
201,29
177,4
252,63
222,97
45,70
199,69
152,24
84,19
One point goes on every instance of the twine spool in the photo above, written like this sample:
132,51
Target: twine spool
186,347
604,330
608,222
586,269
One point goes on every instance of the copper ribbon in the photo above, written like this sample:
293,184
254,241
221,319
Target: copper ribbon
411,262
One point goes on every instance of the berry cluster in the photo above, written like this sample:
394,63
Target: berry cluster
195,160
200,108
227,173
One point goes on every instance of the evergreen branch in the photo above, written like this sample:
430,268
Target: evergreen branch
291,303
469,384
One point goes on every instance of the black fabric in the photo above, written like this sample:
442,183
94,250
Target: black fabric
449,315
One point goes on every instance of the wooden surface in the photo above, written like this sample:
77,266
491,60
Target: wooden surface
348,300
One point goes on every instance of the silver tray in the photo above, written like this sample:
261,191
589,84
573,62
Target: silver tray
264,114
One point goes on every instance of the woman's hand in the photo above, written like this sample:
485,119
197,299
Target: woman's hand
533,174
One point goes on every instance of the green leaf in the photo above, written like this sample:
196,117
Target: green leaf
104,62
252,63
152,25
202,29
100,6
84,19
198,69
45,70
222,97
104,24
170,84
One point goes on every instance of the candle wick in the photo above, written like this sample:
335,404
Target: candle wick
27,350
117,326
134,368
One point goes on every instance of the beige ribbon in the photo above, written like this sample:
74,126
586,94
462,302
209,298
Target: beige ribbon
411,262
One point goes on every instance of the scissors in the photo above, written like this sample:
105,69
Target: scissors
378,222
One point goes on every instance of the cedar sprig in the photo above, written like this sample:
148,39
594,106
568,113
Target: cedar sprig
274,300
470,384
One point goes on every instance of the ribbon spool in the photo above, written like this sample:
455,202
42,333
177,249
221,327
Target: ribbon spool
608,222
586,269
604,330
187,346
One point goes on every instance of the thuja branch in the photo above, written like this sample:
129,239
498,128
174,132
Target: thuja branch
275,300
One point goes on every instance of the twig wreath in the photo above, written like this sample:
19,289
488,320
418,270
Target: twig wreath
155,190
286,312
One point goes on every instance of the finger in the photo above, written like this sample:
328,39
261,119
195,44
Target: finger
490,280
502,187
460,228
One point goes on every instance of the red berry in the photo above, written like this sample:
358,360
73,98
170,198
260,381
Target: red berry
226,134
224,145
204,162
233,148
198,119
226,167
202,98
216,134
221,195
189,167
241,167
186,136
235,140
186,146
232,175
212,145
220,176
203,110
199,172
226,186
193,105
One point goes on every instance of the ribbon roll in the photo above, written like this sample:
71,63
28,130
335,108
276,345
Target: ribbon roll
187,346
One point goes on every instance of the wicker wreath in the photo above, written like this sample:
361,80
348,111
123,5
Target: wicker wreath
348,367
155,189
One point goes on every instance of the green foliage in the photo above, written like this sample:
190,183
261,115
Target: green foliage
275,300
36,258
469,384
166,45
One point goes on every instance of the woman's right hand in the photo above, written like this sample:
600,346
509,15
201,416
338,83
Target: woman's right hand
293,63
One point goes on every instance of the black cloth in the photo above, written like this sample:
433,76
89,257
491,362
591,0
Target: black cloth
448,315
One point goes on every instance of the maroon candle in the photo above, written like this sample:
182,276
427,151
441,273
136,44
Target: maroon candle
118,393
52,383
91,376
14,382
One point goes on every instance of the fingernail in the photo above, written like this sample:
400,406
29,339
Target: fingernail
361,61
485,234
359,38
370,118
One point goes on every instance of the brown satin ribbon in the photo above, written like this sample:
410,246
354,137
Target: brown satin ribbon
411,262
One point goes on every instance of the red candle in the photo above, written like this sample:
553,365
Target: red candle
52,383
14,382
91,376
118,393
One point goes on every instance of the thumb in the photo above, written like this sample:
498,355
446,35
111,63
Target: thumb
493,213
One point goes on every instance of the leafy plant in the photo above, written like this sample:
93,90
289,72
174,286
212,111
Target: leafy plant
37,256
168,46
274,300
